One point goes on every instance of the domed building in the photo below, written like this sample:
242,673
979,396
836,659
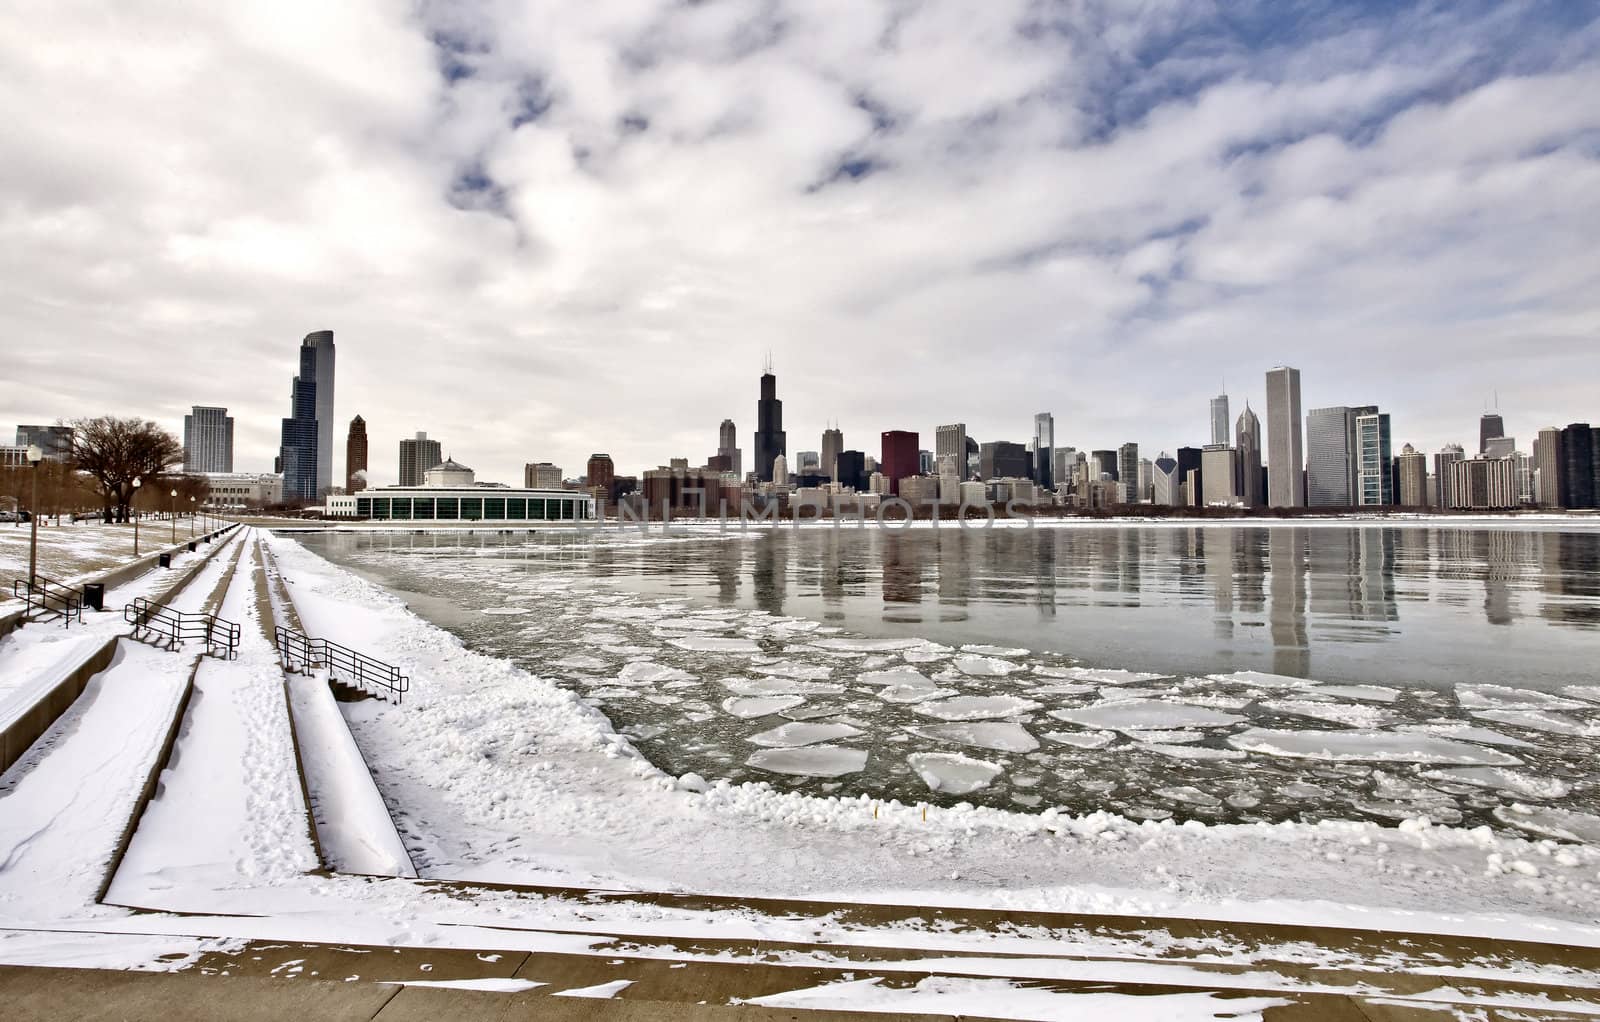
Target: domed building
449,472
450,492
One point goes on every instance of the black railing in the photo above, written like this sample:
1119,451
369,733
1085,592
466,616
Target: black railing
50,597
161,625
343,664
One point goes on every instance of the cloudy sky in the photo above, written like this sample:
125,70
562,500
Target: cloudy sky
545,229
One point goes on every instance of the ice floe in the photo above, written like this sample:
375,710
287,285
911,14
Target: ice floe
1505,780
1588,693
1261,679
1545,821
1368,747
1194,752
846,645
810,761
779,687
1082,739
1363,693
801,672
759,706
794,735
1096,675
976,707
984,666
1346,714
952,773
713,644
1144,714
1533,720
643,672
1002,737
904,676
1005,651
1504,697
1468,733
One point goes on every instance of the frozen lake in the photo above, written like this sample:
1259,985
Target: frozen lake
1222,673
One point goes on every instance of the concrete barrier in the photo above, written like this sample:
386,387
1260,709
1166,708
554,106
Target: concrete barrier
18,734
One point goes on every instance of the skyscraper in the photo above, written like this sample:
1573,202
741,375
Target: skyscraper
769,440
1103,465
1189,462
1413,478
355,456
832,444
1128,470
1219,420
208,440
1374,471
1165,484
728,447
1330,457
1003,459
1219,471
852,469
1552,467
1490,426
602,476
1044,441
321,343
416,457
1448,455
1577,446
1247,440
951,442
297,444
1285,450
899,457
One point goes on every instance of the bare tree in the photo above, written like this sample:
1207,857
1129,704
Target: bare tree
115,452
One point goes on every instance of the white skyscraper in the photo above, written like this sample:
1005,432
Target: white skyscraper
1247,433
951,442
1285,449
208,440
1219,421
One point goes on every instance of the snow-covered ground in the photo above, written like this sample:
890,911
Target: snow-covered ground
68,552
495,773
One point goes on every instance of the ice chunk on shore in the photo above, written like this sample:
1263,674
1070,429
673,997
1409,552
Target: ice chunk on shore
976,707
1563,824
983,666
982,650
794,735
1368,747
759,706
712,644
1145,714
1503,779
811,761
1083,739
1504,697
952,773
1002,737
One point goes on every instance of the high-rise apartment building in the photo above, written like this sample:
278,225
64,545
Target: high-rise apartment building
1448,455
951,442
1044,441
899,457
602,478
208,440
298,439
1219,420
1490,426
1374,468
417,455
1285,447
832,444
355,456
1480,484
1577,449
1128,468
1550,455
728,447
770,440
321,344
1413,489
1247,442
1330,457
541,475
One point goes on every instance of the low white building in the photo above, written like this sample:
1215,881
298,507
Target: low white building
247,489
451,493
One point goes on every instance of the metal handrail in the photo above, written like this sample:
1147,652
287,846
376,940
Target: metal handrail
366,673
176,627
42,592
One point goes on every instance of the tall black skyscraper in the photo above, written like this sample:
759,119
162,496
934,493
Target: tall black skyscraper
1489,427
1577,442
297,452
769,440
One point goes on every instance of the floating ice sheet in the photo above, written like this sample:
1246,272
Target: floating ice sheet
800,672
1002,737
984,666
779,687
912,693
1194,752
712,644
1368,747
1096,675
1468,733
794,735
644,672
759,706
1261,679
1504,697
952,773
1505,780
1550,822
1346,714
976,707
1083,739
1143,714
868,645
1363,693
1006,651
1555,723
903,676
811,761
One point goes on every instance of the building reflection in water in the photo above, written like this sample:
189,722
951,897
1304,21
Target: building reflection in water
769,572
902,568
1286,598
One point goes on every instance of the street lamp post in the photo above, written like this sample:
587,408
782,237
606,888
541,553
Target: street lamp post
35,457
174,506
137,482
191,516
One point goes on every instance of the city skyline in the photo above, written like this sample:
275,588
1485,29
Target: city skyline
484,222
